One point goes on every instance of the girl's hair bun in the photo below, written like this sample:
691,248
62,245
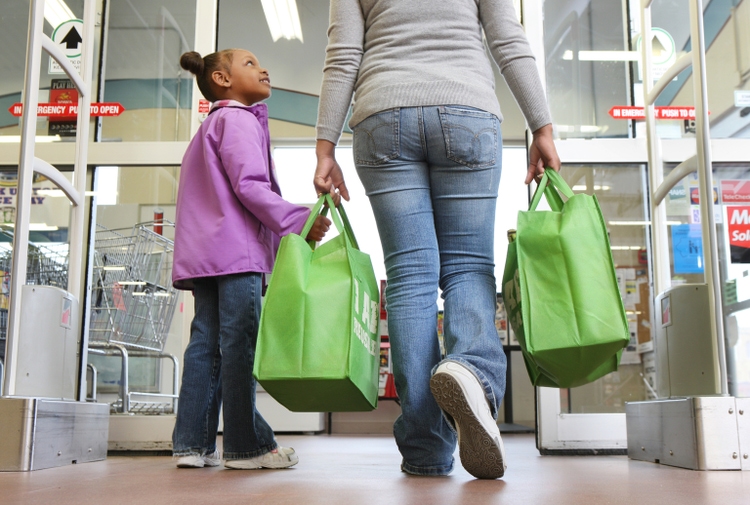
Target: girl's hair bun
192,62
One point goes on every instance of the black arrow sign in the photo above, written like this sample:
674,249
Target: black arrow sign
72,39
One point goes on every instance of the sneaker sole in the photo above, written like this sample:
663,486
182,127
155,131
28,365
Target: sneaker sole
480,454
279,466
190,465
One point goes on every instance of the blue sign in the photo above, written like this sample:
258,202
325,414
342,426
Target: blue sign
687,249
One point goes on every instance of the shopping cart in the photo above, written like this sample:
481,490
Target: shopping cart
132,306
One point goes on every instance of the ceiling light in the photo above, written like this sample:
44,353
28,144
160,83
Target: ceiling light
627,247
603,55
582,187
11,139
608,55
639,223
35,226
283,19
56,12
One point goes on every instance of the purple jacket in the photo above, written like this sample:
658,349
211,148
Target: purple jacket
230,212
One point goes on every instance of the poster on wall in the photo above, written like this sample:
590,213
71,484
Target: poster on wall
738,229
63,91
687,249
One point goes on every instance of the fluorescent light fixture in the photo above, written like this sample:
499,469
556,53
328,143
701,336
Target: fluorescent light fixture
56,12
603,55
131,283
627,247
42,227
583,187
609,55
57,193
14,139
35,226
114,269
139,294
638,223
163,295
283,19
107,180
584,128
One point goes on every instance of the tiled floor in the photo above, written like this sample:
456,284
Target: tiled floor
364,470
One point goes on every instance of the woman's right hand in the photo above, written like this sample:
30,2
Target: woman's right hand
328,175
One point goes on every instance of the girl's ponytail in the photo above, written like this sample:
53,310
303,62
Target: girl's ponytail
192,62
202,68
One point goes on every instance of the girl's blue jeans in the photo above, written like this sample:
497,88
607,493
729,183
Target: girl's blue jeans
432,176
219,362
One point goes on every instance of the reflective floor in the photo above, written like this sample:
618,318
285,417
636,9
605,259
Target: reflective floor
364,470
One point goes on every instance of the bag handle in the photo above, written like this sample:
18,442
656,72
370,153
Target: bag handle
337,216
551,185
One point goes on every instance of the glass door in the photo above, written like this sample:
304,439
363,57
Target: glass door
591,417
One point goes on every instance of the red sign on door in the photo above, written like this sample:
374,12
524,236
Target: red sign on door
69,109
735,191
633,112
738,227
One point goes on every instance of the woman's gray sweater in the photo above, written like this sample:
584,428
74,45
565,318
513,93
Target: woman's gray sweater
407,53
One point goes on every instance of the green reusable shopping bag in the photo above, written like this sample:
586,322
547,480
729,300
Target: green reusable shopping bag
560,289
318,348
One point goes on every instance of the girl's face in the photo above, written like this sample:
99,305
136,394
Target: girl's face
248,82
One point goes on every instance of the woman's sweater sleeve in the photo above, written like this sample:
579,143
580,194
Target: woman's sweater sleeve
346,34
511,51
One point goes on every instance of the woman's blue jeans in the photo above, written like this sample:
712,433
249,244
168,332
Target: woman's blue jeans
219,361
432,176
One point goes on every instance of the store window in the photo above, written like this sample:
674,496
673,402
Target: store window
593,65
731,210
54,86
143,42
133,304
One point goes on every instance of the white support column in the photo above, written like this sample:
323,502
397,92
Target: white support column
659,242
705,183
23,197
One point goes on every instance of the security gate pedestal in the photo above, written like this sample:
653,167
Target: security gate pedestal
39,433
699,432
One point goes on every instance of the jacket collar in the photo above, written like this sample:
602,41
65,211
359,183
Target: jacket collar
260,110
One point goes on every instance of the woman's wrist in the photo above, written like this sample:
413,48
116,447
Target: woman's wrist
543,131
324,149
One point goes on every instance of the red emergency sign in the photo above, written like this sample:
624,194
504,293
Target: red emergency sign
633,112
69,109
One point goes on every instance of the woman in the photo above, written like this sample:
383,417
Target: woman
427,148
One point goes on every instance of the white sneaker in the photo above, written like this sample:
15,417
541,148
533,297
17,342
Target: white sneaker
196,461
461,396
283,457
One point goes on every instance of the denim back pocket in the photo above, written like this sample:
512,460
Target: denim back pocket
470,136
376,139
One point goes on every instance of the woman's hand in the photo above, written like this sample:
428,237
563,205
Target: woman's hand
328,176
542,153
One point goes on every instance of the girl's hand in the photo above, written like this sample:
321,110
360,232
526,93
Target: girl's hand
542,153
328,176
319,229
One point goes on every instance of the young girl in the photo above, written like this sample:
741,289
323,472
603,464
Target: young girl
230,215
